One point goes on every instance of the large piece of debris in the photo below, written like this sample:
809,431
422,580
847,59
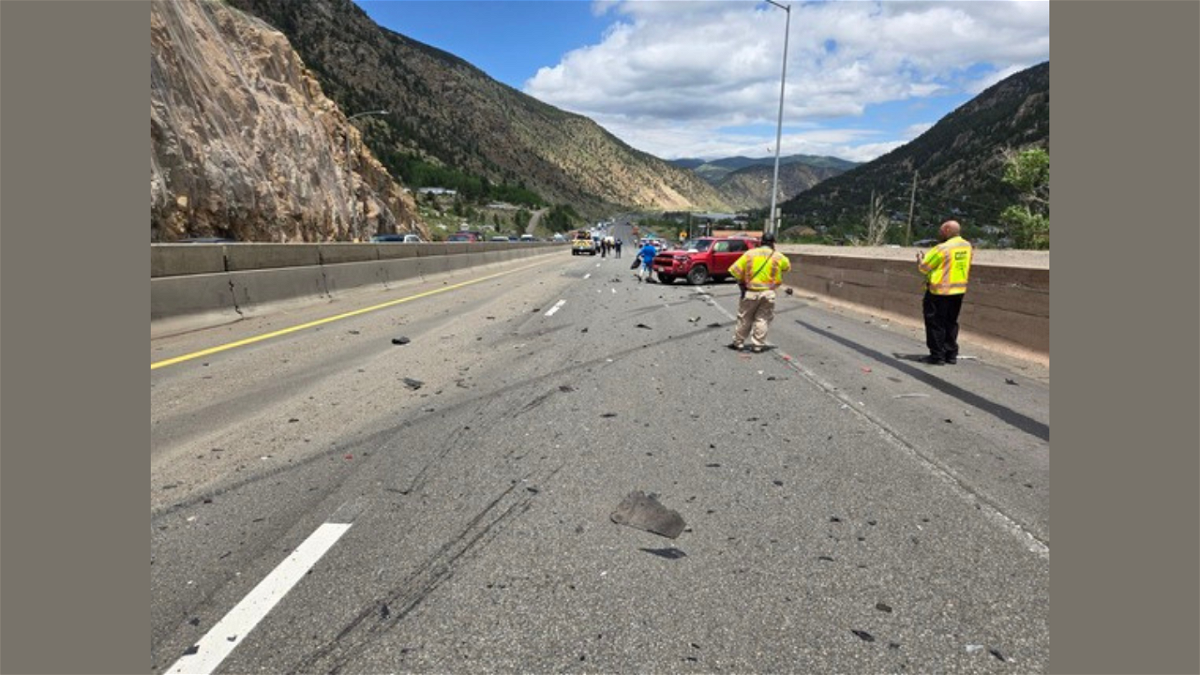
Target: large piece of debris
643,512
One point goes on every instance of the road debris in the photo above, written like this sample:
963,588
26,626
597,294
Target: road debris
1011,381
694,319
644,512
400,340
883,608
413,384
864,635
642,325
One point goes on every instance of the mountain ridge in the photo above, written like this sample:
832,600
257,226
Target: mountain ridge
447,112
745,182
958,164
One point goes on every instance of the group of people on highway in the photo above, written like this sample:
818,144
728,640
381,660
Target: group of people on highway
609,244
759,273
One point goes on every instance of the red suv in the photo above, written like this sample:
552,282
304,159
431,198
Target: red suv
701,259
466,236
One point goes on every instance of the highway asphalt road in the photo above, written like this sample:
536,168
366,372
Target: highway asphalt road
848,509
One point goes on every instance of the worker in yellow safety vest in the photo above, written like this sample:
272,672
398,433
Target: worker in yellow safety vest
946,268
758,272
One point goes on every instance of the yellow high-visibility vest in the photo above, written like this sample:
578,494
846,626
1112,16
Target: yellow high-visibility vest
947,266
761,269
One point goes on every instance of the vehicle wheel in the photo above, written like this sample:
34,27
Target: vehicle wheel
697,275
665,278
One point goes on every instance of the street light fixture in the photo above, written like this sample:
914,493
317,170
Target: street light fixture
354,225
772,218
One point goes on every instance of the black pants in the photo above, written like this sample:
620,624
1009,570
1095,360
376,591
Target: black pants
941,324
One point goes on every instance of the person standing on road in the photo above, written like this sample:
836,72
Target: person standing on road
646,255
617,248
946,268
758,272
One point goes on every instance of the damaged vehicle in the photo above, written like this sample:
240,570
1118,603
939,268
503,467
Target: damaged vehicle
701,260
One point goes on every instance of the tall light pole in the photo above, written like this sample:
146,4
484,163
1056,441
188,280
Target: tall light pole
772,221
350,167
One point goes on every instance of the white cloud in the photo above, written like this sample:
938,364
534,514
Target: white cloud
977,86
915,130
668,73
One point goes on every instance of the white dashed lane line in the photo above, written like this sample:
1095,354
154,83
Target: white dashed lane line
557,306
206,655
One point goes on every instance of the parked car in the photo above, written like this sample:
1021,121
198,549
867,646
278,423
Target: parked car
501,238
528,237
465,236
398,238
702,259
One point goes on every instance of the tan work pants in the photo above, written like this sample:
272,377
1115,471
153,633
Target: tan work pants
756,311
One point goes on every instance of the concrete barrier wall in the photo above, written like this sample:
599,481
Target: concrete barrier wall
1005,303
169,260
1008,304
237,280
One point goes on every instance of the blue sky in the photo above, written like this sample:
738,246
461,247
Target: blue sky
681,78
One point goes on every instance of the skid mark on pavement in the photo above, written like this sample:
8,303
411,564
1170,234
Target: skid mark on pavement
360,633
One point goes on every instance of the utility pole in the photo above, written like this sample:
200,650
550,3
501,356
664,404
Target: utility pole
773,216
354,221
912,202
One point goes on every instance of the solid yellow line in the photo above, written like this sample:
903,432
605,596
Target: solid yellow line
319,322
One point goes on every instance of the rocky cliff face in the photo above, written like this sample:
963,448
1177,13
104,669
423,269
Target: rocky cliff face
244,144
447,112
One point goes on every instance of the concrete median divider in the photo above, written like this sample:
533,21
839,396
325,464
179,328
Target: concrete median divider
270,256
346,277
206,283
186,259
